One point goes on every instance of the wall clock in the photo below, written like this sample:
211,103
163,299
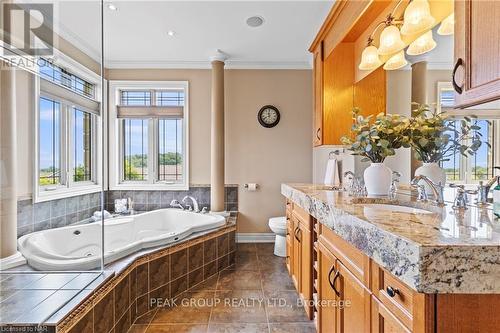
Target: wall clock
268,116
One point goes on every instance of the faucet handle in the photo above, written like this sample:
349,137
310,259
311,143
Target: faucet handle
460,187
422,194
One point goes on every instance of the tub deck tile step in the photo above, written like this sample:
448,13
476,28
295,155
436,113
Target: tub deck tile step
20,303
45,309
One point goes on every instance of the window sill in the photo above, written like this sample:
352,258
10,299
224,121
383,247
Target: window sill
149,187
64,192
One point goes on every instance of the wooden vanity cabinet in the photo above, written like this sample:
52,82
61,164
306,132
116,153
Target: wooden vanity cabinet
476,74
299,254
355,294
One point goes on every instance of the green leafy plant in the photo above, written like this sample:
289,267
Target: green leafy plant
375,138
436,136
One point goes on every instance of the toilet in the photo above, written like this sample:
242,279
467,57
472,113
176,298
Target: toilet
278,226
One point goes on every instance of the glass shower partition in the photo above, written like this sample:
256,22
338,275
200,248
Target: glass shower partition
51,159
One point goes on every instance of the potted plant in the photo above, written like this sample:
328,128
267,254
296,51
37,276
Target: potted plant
374,140
436,136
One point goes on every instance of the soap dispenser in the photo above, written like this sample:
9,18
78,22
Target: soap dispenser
496,197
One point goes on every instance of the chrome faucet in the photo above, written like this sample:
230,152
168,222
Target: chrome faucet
175,204
462,198
484,189
437,189
195,207
394,184
349,175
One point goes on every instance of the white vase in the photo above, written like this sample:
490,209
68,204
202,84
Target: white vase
378,179
432,171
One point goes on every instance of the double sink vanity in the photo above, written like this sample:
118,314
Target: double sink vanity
376,264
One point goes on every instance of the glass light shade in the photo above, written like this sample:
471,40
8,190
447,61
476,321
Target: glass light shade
369,59
417,18
422,44
447,27
397,61
390,41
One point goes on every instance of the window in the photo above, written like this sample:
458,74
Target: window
67,138
135,149
63,77
151,135
474,168
50,142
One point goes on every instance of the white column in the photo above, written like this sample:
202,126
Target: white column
418,95
217,174
9,256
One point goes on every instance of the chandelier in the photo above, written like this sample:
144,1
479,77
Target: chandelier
417,20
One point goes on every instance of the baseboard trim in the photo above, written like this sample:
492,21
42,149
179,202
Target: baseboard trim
255,237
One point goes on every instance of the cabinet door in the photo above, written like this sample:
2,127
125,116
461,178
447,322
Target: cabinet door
354,302
289,243
476,74
297,260
306,279
318,96
326,295
384,321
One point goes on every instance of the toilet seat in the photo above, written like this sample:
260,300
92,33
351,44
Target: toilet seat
278,224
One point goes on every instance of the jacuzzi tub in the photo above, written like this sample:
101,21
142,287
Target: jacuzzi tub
79,247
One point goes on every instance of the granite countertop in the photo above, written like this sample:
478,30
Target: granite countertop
443,251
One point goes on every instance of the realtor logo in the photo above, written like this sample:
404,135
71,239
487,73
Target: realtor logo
27,28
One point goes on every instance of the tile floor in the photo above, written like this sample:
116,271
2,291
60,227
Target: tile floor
256,294
31,298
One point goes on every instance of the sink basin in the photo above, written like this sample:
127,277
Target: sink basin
397,209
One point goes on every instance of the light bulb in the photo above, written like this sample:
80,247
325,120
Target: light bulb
417,18
397,61
369,59
390,41
447,27
422,44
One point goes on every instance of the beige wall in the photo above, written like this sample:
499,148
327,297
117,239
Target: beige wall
253,154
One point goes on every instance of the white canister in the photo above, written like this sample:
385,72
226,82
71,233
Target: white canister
378,179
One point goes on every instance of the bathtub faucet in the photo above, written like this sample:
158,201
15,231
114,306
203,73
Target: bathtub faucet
175,204
195,207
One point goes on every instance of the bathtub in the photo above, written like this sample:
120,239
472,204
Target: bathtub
79,247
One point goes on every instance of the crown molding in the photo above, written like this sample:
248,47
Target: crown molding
229,64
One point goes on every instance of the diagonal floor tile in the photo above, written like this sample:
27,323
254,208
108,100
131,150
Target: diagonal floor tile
239,280
177,328
239,306
238,328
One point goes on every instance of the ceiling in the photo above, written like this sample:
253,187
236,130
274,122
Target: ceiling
136,34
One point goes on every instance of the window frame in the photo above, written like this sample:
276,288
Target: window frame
68,186
466,164
116,133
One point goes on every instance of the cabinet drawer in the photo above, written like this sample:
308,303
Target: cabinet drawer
302,216
394,294
354,260
383,321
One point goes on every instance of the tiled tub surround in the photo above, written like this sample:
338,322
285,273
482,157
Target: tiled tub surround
58,213
123,292
441,252
151,200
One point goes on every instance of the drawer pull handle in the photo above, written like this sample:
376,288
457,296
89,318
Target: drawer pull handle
458,89
317,134
295,234
392,291
335,277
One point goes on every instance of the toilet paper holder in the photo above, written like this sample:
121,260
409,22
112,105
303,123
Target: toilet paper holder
247,186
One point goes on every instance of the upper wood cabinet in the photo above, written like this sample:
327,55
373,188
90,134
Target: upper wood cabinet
318,95
476,74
